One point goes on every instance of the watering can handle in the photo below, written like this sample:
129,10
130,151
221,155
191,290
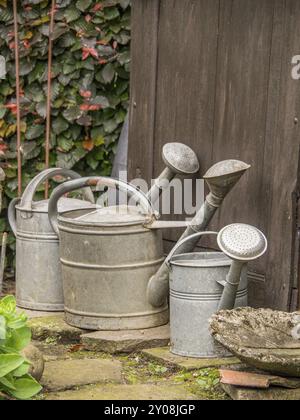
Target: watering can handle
194,236
28,195
11,213
69,186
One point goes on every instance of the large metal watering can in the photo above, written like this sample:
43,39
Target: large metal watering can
107,258
203,283
38,273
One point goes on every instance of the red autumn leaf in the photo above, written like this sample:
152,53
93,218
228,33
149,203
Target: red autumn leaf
26,44
88,107
85,55
85,107
3,148
88,144
102,61
86,52
12,45
85,93
95,107
97,7
12,107
88,18
76,348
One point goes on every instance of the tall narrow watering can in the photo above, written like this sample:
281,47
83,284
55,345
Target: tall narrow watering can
204,282
38,273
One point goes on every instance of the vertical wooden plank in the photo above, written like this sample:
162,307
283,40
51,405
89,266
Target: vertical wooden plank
282,157
240,118
188,34
144,50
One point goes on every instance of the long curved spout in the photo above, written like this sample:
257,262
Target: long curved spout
221,178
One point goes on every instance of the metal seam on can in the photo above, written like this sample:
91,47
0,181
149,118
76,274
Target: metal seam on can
102,232
203,296
107,315
31,235
111,267
58,307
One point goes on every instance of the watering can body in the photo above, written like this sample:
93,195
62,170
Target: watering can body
196,288
106,270
107,258
38,272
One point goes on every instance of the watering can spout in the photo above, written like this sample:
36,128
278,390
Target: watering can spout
221,178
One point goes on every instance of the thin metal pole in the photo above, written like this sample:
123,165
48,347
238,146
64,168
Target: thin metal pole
49,93
2,263
18,91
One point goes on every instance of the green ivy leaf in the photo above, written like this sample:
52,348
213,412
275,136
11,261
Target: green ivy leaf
59,125
108,73
83,4
34,132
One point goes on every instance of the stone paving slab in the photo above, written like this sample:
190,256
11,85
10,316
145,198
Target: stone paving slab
271,394
163,355
54,328
115,342
127,392
67,374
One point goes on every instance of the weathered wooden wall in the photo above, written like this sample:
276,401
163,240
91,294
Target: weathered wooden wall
216,74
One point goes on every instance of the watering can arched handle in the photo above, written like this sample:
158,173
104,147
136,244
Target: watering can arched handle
28,195
11,213
69,186
189,238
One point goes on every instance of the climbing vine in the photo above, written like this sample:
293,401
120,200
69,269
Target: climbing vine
90,86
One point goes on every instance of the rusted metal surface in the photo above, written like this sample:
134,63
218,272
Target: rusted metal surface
18,96
49,92
254,380
38,273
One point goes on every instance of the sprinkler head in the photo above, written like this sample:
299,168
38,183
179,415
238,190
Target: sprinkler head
180,159
223,176
242,242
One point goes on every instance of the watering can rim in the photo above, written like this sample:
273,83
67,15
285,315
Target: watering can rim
42,205
219,260
137,219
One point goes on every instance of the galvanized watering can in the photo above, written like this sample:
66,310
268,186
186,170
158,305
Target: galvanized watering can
38,273
107,258
203,283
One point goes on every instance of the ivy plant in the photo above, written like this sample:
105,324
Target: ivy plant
90,86
15,380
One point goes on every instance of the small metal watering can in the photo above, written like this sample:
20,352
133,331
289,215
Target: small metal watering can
38,273
203,283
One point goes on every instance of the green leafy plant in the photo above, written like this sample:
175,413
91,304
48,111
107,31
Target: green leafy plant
14,337
90,87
